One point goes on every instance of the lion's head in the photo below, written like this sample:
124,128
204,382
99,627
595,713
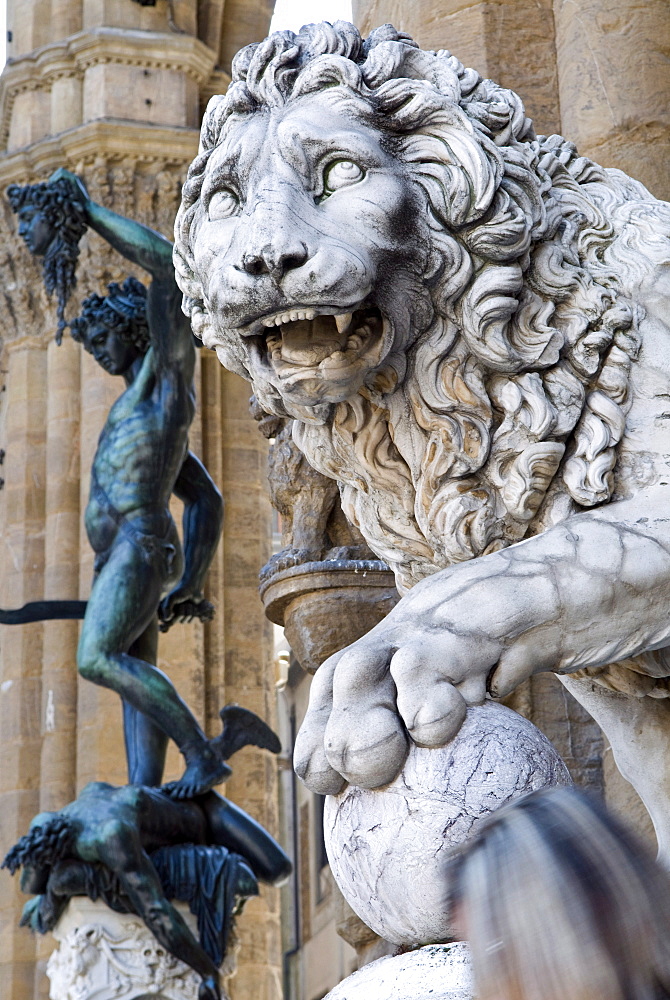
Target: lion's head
375,238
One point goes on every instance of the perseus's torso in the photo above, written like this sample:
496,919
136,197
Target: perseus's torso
139,455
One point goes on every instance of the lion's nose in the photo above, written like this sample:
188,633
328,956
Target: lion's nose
275,261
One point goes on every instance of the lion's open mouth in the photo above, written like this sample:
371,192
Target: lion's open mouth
300,339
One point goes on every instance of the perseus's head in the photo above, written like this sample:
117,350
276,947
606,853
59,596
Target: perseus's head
329,208
113,327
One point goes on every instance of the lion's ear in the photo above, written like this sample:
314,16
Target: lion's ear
241,62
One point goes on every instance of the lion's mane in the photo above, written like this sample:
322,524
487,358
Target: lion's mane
519,387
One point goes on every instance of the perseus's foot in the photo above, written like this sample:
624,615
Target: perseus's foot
205,768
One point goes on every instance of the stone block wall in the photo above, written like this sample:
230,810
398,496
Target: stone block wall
110,90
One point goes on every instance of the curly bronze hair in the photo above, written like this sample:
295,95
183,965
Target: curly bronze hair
44,844
66,216
123,309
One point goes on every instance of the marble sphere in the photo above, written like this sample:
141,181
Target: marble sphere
388,847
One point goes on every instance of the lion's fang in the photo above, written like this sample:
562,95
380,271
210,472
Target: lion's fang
343,321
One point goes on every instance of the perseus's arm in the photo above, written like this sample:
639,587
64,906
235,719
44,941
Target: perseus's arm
169,330
134,241
231,827
202,520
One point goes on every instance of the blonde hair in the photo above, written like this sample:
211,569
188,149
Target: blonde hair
559,902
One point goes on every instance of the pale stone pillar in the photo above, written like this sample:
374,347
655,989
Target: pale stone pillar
614,80
29,27
23,504
244,21
61,578
511,42
213,665
66,17
61,581
66,106
249,666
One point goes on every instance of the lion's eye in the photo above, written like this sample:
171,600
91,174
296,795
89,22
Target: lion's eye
222,205
341,174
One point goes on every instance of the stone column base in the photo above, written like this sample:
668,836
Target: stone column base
435,972
102,955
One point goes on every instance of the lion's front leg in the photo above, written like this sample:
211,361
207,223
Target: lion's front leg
586,593
638,730
413,676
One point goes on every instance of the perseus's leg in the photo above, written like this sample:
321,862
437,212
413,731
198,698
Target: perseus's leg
231,827
123,602
146,743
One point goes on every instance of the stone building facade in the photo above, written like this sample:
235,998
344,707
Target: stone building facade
114,91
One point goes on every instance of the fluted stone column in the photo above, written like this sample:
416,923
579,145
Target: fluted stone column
110,90
614,80
249,666
61,580
510,41
22,557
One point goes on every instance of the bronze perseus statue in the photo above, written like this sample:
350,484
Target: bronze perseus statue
141,460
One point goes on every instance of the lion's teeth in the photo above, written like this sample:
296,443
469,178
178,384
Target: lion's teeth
354,342
335,359
343,321
288,317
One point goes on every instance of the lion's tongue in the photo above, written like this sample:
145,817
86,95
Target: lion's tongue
308,342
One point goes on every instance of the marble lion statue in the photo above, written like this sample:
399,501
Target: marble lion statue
468,324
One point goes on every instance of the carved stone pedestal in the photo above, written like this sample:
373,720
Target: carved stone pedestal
102,955
324,606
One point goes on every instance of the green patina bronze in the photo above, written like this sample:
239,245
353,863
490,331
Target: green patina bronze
142,458
134,847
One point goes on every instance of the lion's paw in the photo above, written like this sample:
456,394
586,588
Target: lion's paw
370,702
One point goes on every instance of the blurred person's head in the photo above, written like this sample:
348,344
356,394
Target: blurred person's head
558,901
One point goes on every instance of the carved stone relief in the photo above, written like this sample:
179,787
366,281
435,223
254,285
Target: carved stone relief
103,955
325,586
